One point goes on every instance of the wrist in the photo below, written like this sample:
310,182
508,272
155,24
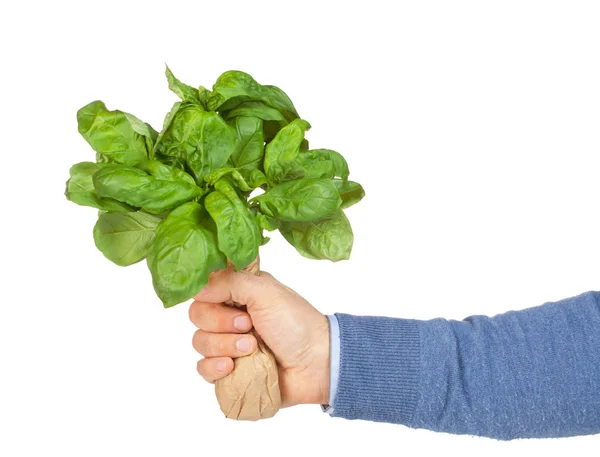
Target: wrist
322,364
318,383
309,382
325,367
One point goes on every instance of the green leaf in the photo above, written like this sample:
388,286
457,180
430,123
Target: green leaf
244,179
267,223
197,140
323,163
183,91
329,238
138,187
116,135
238,234
282,152
80,189
124,238
340,166
316,167
350,192
235,87
103,159
183,254
271,128
254,177
150,135
304,145
165,172
203,95
250,144
214,176
255,109
300,200
166,123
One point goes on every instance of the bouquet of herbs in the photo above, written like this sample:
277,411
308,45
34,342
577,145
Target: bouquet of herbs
228,164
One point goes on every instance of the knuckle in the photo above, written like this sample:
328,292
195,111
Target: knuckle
216,345
205,316
267,279
196,340
192,312
209,346
203,370
201,342
221,346
213,317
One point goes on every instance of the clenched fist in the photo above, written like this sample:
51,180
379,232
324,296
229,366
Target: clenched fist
295,331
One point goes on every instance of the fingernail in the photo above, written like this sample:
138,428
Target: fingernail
243,344
221,365
241,322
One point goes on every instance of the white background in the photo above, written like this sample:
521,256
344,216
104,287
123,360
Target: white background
473,126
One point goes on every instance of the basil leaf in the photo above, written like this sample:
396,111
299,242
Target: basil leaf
254,177
254,109
183,254
323,163
300,200
250,144
271,128
296,237
150,135
329,238
203,95
235,87
80,189
116,135
103,159
124,238
316,166
166,123
244,179
165,172
235,175
198,140
238,234
304,145
183,91
137,187
350,192
282,152
267,223
340,166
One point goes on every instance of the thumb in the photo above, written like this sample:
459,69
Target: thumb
243,287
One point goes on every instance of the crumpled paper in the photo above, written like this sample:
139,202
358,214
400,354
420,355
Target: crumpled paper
251,390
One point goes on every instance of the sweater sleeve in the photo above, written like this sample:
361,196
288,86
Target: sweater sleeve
533,373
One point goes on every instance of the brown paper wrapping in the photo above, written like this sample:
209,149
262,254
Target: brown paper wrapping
251,390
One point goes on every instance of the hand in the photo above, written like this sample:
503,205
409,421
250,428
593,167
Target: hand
295,331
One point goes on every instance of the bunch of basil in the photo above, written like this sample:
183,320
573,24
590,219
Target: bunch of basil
182,199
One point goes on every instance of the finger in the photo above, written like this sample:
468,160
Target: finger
215,368
241,286
218,318
223,345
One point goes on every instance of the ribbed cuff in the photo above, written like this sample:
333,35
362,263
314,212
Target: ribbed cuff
379,368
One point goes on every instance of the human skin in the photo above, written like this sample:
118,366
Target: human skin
295,331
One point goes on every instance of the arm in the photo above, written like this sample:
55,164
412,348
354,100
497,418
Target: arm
529,373
521,374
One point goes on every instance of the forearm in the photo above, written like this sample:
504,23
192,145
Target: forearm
529,373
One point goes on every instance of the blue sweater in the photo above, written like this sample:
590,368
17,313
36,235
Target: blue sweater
533,373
